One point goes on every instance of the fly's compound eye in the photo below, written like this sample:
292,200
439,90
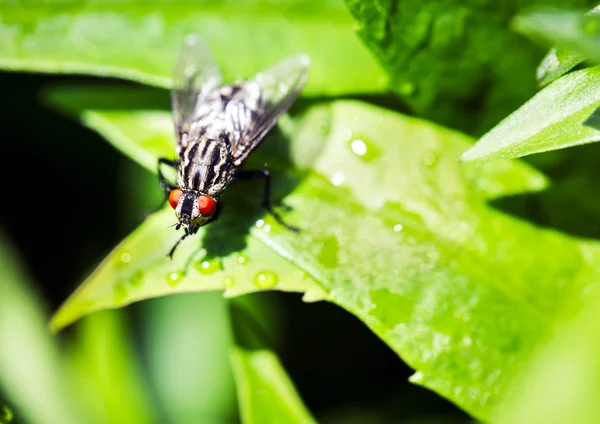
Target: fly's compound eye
206,205
174,196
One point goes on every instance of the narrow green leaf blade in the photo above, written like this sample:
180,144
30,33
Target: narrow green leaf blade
105,371
559,116
559,60
396,231
265,392
31,372
576,30
187,340
139,39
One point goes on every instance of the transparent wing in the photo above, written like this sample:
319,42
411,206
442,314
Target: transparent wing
264,99
195,74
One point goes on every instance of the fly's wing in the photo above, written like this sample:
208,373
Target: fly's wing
275,90
195,75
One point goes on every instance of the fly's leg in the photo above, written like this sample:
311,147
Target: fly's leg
172,251
163,183
266,201
161,178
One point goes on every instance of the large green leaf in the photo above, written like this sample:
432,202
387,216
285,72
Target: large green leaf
394,229
138,39
452,61
561,115
265,393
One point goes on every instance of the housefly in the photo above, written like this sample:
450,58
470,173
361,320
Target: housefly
217,126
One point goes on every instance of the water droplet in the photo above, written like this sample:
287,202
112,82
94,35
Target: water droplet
175,277
323,127
120,292
242,259
6,415
137,279
365,149
337,179
209,266
359,147
328,252
267,228
346,134
228,282
260,223
590,26
406,89
265,280
121,258
429,158
398,228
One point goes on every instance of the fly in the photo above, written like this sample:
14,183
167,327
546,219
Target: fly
217,126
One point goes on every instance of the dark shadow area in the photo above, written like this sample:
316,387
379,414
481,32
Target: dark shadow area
571,204
593,120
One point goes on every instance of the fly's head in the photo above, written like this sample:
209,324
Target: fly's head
193,209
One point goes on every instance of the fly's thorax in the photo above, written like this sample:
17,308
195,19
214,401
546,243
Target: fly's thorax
192,207
206,165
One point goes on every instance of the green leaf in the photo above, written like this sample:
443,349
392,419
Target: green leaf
265,392
138,39
559,60
31,372
562,381
453,62
394,229
561,115
576,32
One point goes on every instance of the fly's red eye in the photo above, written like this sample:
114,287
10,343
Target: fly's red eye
206,205
174,196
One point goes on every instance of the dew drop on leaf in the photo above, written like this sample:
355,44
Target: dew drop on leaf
398,228
228,282
209,266
175,277
121,259
328,252
120,292
337,179
266,279
429,158
364,149
137,279
242,259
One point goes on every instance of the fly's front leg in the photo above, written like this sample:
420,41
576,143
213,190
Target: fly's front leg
266,201
164,183
161,178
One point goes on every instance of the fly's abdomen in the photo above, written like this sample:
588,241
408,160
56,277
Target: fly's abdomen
205,166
